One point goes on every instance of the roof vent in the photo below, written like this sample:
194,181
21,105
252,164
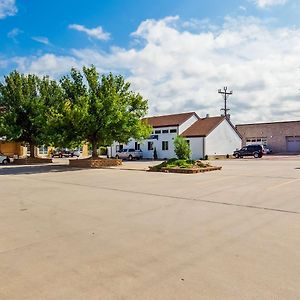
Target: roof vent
207,116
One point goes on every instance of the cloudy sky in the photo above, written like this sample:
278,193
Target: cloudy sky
175,53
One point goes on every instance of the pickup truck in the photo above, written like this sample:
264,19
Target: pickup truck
129,154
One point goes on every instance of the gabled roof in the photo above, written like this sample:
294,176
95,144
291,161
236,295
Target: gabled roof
203,127
169,120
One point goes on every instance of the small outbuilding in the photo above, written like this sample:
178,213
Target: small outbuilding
211,136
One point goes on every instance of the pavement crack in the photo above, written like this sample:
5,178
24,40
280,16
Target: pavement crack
175,197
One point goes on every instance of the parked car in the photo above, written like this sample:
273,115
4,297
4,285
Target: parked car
4,160
65,153
266,150
129,154
75,153
250,150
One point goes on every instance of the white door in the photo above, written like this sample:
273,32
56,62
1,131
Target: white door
293,143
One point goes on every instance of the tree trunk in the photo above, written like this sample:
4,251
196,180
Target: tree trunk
94,150
31,148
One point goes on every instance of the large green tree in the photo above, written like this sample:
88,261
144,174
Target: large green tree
100,110
26,102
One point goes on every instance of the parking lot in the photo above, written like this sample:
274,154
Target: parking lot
123,233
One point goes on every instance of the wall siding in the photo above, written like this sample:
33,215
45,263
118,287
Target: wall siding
184,126
222,140
276,133
196,146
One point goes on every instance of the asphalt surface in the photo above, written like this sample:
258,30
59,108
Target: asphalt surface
68,233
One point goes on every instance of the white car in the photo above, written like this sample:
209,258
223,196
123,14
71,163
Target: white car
4,159
129,154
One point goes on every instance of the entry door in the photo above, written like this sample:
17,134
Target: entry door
293,143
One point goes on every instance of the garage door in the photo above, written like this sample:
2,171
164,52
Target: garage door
293,143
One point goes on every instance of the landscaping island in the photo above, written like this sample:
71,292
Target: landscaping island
185,166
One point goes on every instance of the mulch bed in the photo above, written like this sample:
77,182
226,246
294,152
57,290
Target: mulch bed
184,170
32,161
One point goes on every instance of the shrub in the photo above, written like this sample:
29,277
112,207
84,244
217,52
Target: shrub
155,154
103,150
182,148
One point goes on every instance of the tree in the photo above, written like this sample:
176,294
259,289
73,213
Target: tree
26,100
182,148
101,110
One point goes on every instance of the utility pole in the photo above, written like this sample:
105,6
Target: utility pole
225,95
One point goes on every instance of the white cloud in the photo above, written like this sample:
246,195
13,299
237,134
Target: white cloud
14,33
7,8
179,70
96,33
41,39
47,64
268,3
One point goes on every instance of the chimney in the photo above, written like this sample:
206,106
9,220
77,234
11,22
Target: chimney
207,116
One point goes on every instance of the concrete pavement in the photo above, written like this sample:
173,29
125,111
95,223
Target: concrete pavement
118,234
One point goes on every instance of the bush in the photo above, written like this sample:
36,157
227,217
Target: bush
181,163
182,148
155,154
103,150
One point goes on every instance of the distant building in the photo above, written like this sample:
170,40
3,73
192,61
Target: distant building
206,136
281,137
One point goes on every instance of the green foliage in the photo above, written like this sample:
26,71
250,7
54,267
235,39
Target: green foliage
101,110
82,107
180,163
103,150
182,148
26,100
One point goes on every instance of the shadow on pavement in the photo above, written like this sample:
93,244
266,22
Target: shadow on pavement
35,169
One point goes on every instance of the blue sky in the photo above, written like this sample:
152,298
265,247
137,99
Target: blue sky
176,53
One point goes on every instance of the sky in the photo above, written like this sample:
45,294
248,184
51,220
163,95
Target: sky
177,54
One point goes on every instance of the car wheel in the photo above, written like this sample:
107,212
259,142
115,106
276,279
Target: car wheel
130,157
4,162
117,156
236,155
256,155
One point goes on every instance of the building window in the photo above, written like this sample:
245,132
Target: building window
150,146
165,131
165,145
256,140
173,130
136,146
157,131
43,150
119,148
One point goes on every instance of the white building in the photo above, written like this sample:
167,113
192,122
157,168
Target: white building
206,136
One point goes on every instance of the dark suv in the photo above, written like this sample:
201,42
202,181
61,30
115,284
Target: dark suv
250,150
